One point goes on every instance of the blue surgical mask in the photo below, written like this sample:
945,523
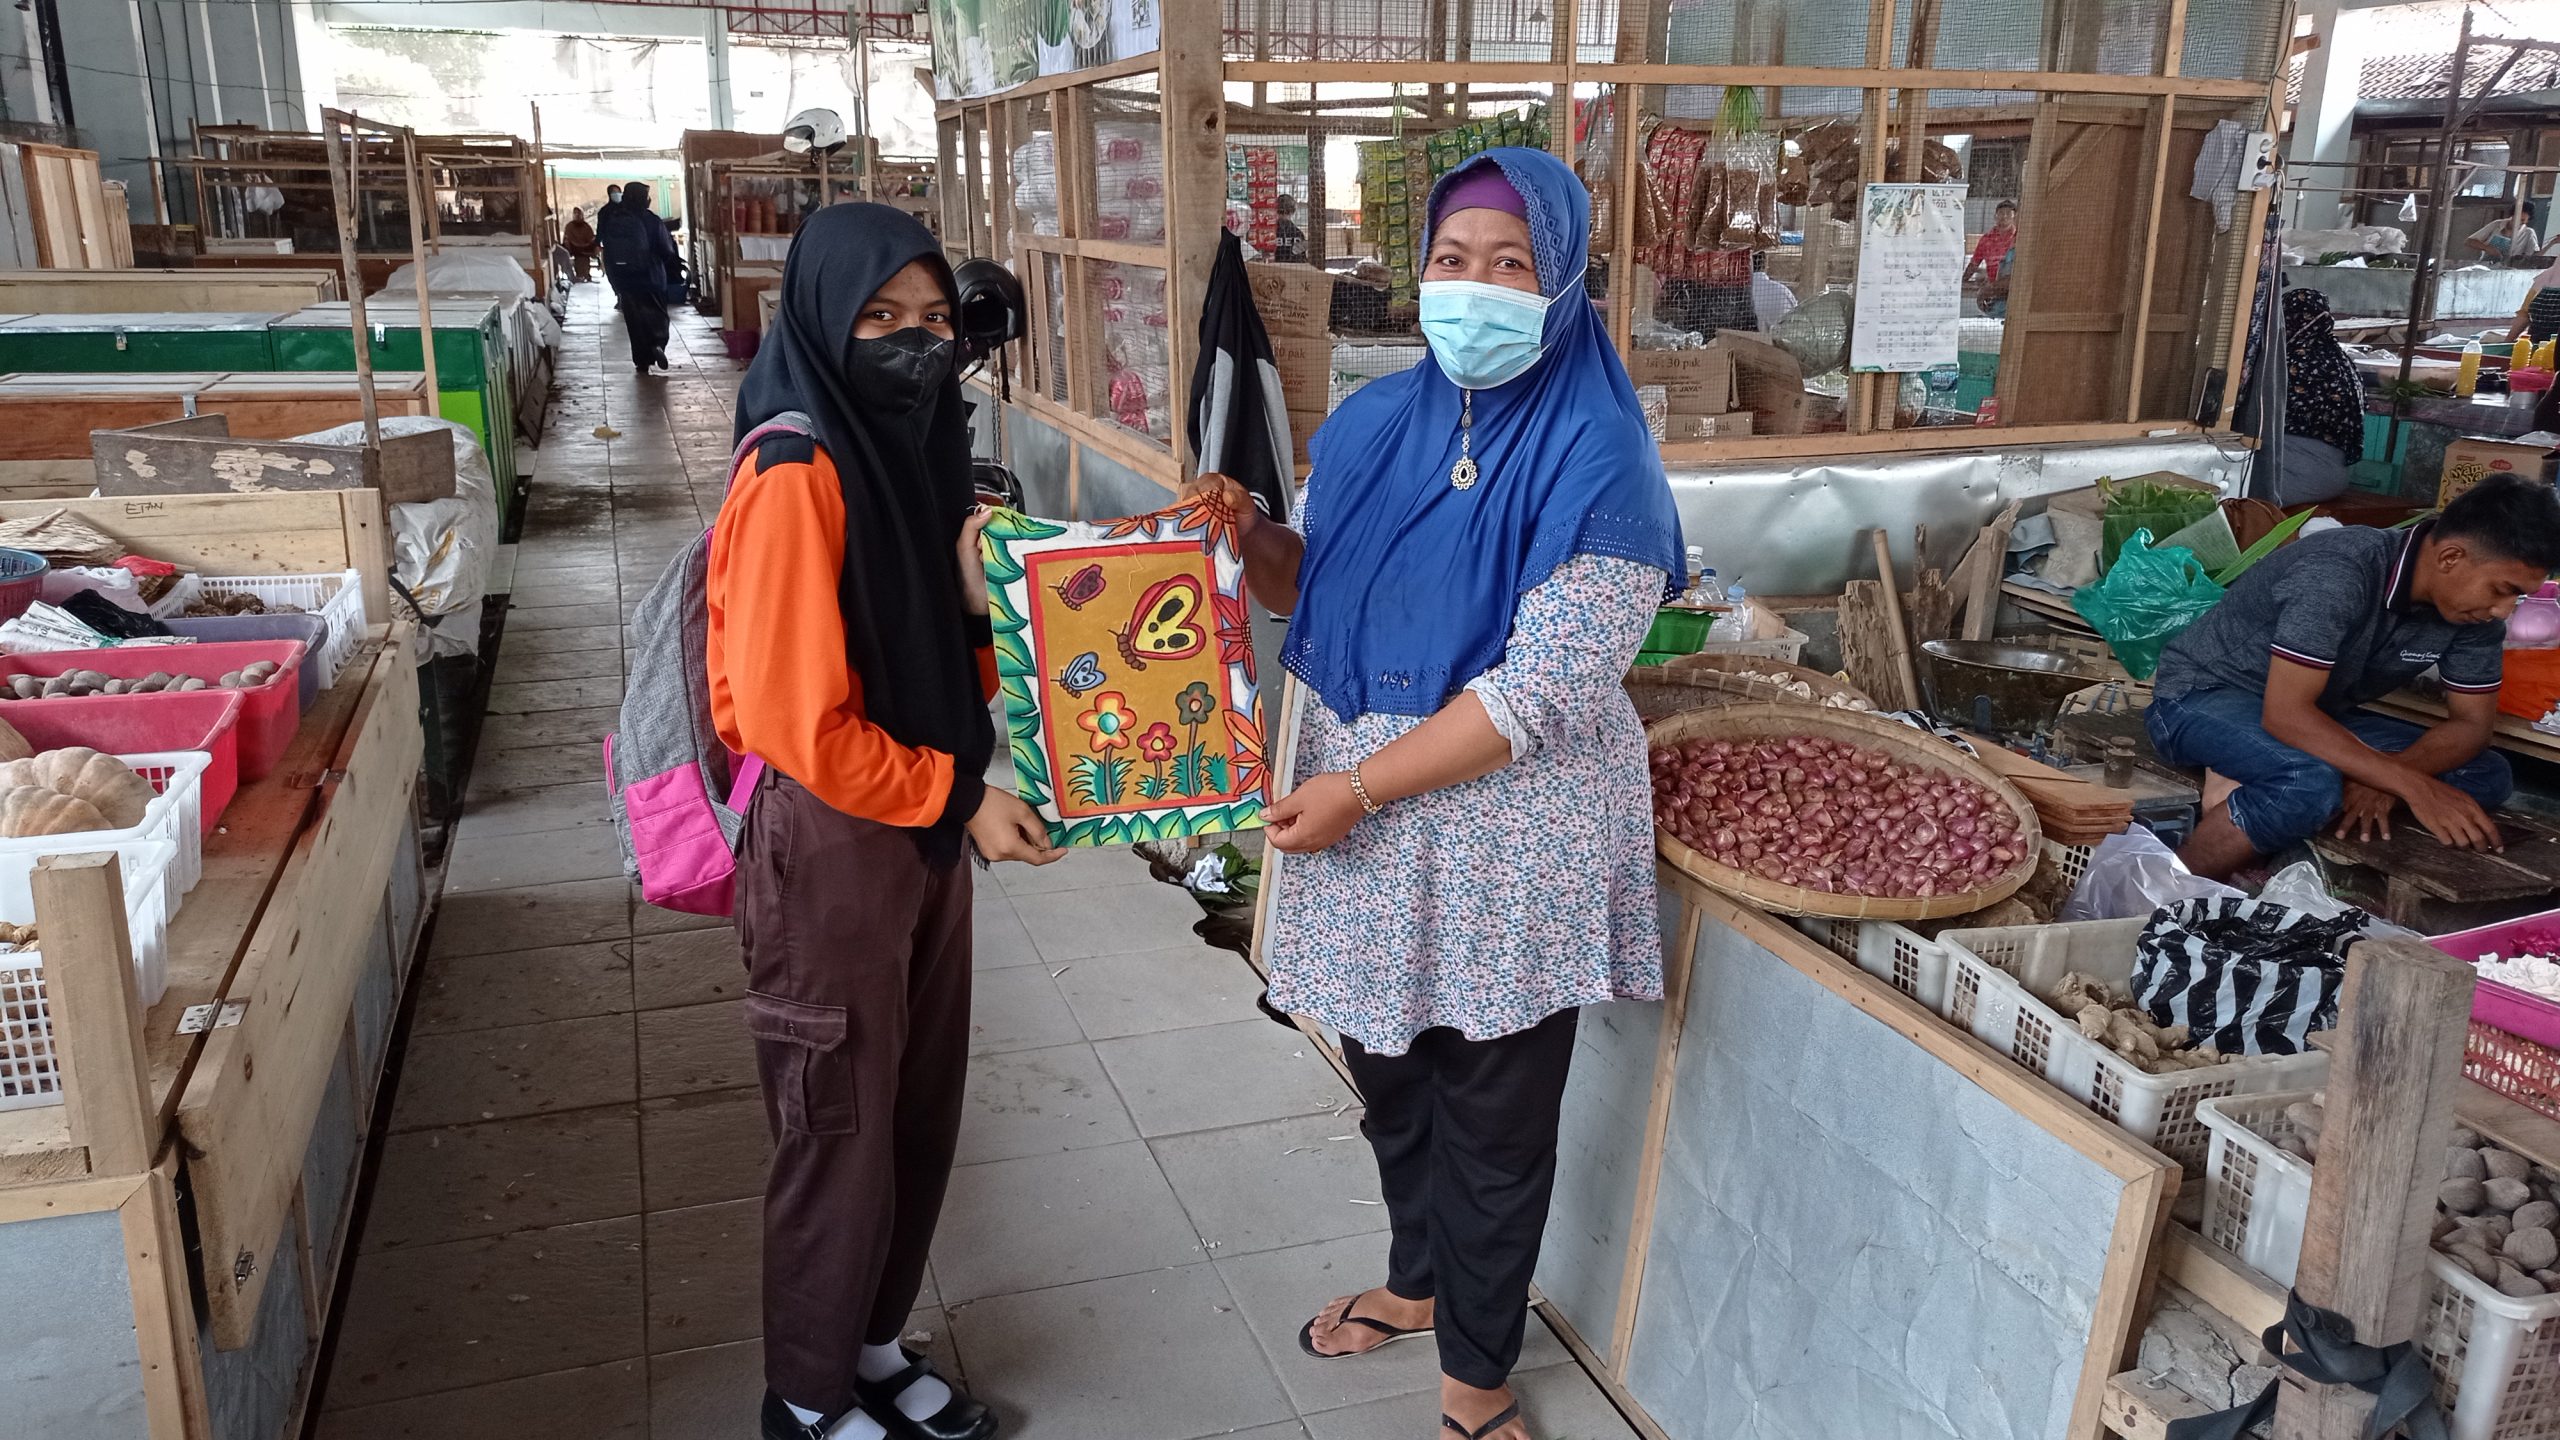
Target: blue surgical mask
1483,335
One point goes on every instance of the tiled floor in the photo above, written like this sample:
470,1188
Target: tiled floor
1157,1185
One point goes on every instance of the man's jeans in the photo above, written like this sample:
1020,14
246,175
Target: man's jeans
2285,796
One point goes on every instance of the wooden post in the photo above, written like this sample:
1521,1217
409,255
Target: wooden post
1898,640
1193,94
2394,1071
341,188
418,272
97,1014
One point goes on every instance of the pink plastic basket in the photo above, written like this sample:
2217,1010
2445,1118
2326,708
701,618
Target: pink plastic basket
269,713
206,720
2503,1007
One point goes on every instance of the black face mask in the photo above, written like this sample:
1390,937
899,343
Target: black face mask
904,370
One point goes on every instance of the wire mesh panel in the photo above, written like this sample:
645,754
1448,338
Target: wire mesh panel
1133,354
1410,30
1125,130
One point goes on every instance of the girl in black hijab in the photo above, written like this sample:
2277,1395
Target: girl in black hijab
849,648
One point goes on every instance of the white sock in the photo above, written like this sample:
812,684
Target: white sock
852,1425
920,1401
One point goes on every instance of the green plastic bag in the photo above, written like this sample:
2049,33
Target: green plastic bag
2144,602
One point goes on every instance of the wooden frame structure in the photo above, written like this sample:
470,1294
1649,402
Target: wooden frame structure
2076,366
392,171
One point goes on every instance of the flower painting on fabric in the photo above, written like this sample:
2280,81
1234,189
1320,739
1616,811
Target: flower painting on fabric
1126,655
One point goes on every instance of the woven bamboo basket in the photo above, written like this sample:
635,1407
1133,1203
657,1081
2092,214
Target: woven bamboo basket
1904,744
1729,670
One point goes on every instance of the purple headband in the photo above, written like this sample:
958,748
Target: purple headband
1484,187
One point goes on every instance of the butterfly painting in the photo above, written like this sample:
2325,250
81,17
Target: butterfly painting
1083,674
1166,740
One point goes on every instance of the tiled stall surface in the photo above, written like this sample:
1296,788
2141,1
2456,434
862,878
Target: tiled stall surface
1157,1185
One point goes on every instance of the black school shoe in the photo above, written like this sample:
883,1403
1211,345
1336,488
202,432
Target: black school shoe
962,1419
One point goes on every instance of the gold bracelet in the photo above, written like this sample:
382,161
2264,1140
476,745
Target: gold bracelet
1361,791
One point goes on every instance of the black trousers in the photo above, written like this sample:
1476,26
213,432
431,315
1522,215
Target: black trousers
1465,1133
644,310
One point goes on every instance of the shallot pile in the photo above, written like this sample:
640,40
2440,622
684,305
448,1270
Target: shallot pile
1833,816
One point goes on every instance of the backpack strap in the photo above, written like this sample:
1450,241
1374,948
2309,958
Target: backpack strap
789,422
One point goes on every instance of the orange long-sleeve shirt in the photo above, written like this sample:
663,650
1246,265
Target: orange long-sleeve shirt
781,686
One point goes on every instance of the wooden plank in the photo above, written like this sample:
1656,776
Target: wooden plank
1990,559
2529,1133
2222,1280
2395,1065
1531,72
1120,252
97,1013
2146,265
1193,112
85,292
1657,1131
2115,1328
2141,1408
248,1113
1598,1368
1943,437
164,1315
198,455
1898,632
278,534
86,1195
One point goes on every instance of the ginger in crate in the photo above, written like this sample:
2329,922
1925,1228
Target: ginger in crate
2120,1025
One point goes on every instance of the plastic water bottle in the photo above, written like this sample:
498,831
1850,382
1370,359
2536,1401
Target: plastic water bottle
1735,623
1710,590
2466,376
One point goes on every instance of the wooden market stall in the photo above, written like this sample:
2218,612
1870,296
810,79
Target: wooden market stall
46,418
177,1176
750,206
1102,187
57,214
264,196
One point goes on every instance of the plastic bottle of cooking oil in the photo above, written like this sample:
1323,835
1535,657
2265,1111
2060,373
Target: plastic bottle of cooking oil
2543,353
2522,354
2467,379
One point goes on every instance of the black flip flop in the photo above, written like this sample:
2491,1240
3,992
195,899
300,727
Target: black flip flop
1307,1336
1509,1413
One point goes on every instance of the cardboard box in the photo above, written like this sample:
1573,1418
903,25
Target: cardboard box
1767,381
1694,382
2475,458
1302,427
1296,301
1706,427
1306,371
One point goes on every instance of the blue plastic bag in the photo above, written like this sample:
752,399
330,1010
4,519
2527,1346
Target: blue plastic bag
2147,598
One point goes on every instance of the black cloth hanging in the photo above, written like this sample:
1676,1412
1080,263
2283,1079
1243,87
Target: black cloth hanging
1239,417
905,477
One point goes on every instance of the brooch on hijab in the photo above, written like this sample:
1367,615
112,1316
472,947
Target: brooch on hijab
1464,474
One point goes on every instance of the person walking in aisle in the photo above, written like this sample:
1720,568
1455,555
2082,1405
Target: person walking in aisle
850,648
1487,537
639,258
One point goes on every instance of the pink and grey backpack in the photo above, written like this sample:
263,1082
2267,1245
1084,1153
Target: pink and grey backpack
679,795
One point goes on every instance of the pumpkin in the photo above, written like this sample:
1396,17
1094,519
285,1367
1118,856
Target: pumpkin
13,746
105,782
34,810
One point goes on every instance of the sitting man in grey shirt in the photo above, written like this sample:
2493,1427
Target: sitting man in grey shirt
2268,688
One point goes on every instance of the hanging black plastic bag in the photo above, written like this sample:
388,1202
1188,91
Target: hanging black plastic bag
2244,976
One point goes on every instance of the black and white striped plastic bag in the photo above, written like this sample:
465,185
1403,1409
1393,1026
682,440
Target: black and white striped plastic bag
2244,976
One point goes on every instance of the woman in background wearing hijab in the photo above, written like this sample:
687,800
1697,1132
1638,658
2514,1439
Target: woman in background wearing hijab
2323,405
849,647
1486,539
639,259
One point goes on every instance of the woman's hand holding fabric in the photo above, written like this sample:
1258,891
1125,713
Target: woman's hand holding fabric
1229,493
1314,816
973,560
1006,829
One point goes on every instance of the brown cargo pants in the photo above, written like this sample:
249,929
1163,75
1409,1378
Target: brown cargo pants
858,960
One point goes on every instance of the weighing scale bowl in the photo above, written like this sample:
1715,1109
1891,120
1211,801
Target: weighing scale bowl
1997,688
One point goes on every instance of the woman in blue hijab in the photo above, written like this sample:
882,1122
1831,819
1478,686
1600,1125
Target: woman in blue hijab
1486,538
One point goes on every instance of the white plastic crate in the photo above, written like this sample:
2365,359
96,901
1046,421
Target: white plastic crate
2257,1196
2496,1358
1998,980
30,1076
338,599
1903,957
175,819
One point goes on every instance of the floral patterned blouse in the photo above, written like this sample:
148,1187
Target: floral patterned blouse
1490,905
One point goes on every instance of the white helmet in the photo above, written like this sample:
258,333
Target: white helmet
821,131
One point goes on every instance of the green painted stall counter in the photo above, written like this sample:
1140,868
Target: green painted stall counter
474,379
137,341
